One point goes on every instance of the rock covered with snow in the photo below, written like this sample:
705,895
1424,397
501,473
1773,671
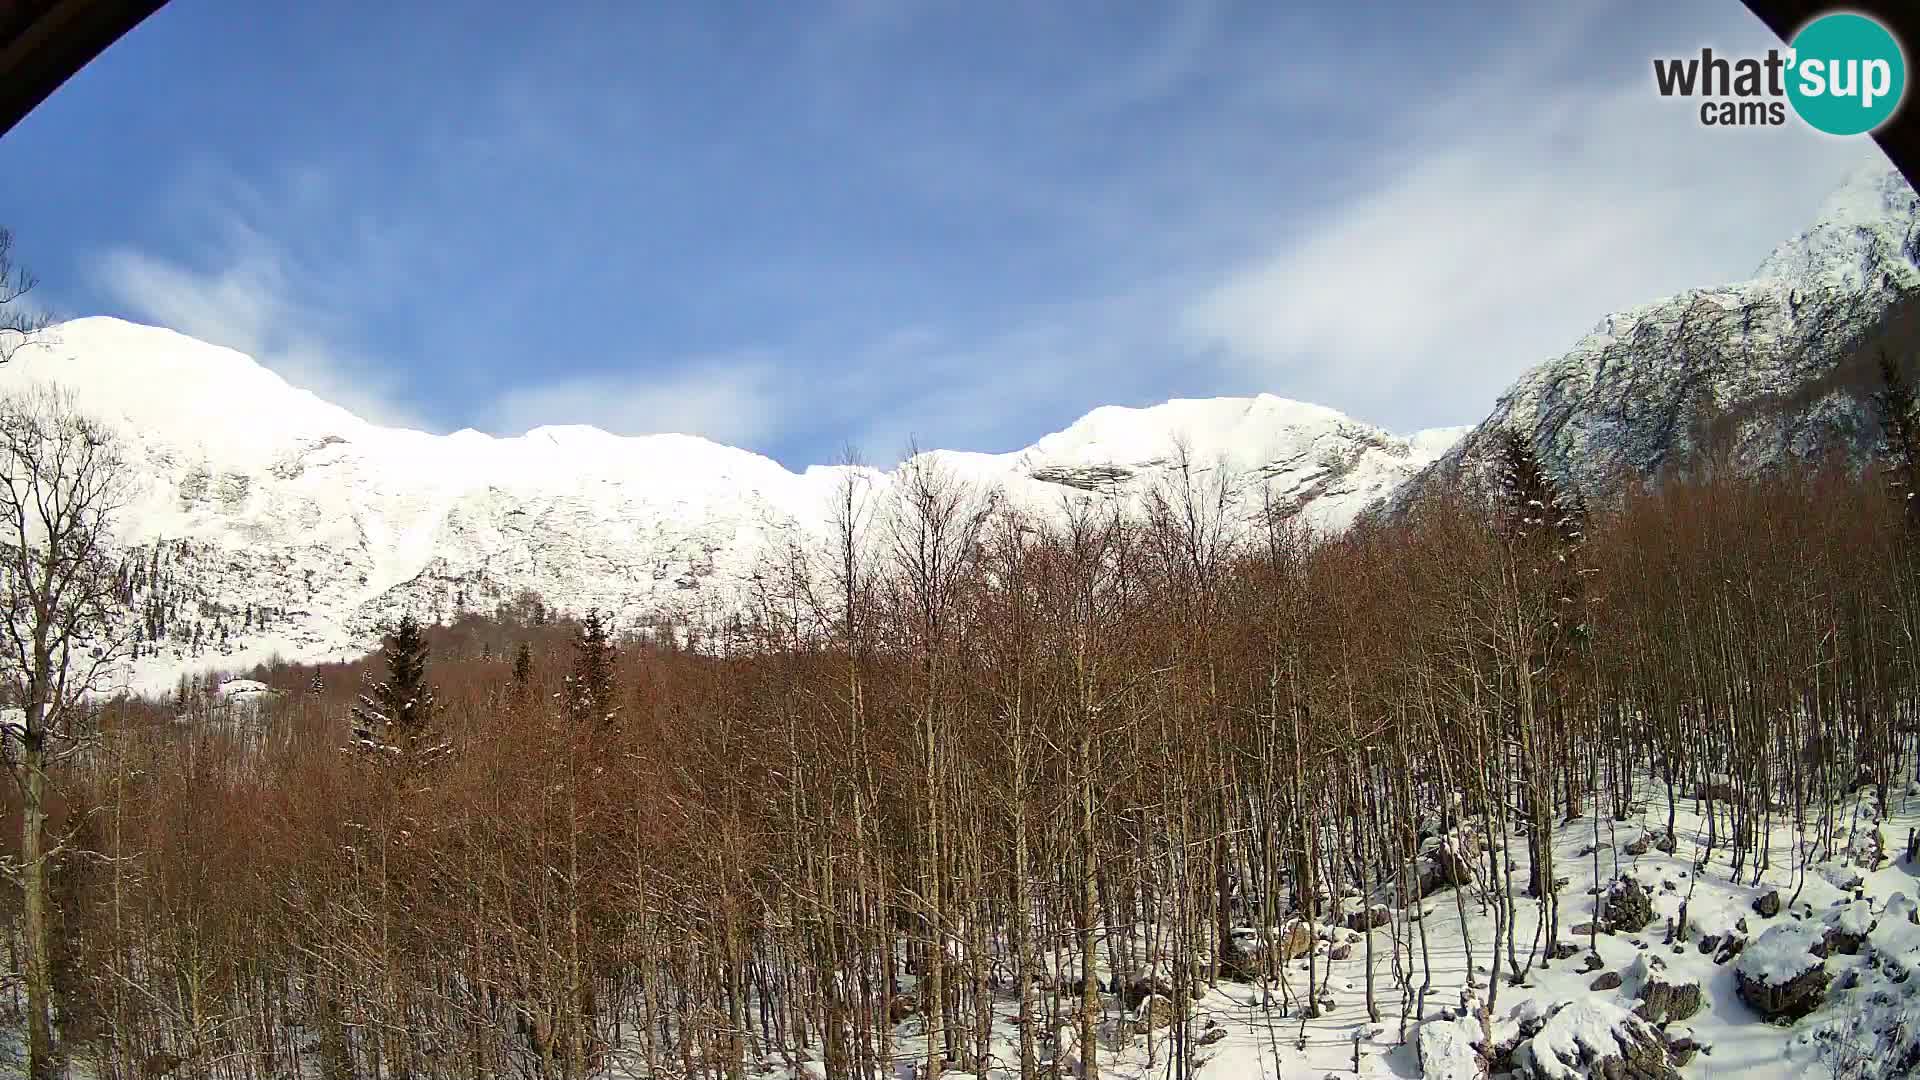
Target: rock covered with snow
1446,861
1664,997
1845,927
1450,1049
1591,1038
1629,906
241,700
1782,973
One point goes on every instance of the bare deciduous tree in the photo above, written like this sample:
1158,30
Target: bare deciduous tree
20,323
59,489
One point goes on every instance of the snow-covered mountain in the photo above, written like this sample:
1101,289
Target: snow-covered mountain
1756,372
267,520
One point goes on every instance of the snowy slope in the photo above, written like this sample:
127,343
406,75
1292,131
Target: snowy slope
282,523
1761,370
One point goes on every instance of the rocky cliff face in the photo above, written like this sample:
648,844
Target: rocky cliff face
1760,371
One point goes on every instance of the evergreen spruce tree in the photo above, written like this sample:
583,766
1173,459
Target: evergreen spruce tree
1543,524
397,716
1544,521
522,670
590,688
1900,423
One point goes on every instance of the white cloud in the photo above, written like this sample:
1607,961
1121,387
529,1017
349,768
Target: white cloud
255,295
1498,235
729,399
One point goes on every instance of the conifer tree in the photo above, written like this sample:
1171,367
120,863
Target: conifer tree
397,716
590,688
1901,425
1533,507
1542,523
522,669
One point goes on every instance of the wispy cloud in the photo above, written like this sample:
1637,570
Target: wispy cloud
1497,234
252,292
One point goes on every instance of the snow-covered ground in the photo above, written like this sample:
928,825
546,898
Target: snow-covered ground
1558,1024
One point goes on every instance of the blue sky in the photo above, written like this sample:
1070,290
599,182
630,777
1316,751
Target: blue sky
796,226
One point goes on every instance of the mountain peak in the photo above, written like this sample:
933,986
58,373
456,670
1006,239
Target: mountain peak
156,379
257,495
1865,229
1873,192
1767,370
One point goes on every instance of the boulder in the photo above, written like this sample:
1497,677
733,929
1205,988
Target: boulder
1075,986
1663,998
1846,926
1243,957
1154,1013
1143,988
1608,980
1629,907
1681,1046
1783,975
1371,919
1840,876
1870,849
1593,1038
1294,941
1768,905
1449,1049
1446,862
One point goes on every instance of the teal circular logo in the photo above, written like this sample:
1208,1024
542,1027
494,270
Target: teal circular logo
1847,74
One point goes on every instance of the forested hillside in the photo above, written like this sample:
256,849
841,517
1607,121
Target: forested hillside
1305,804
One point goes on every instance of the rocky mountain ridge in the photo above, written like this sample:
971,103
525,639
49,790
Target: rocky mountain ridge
1770,369
264,520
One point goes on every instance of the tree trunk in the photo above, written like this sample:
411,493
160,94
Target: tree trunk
39,944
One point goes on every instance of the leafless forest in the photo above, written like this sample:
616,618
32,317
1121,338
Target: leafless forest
961,762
